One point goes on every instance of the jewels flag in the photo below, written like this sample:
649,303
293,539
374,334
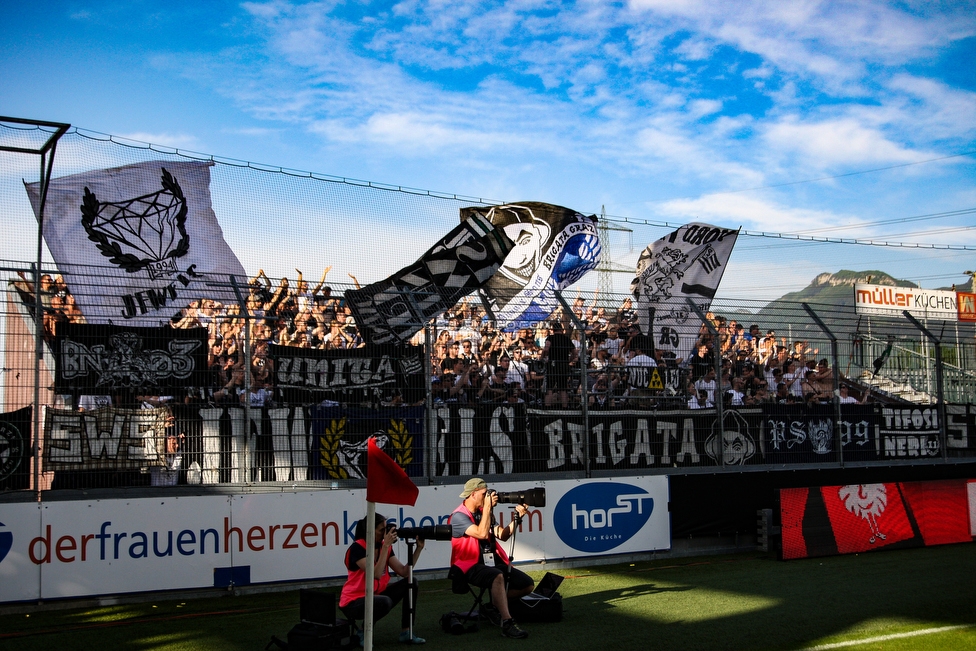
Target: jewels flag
135,244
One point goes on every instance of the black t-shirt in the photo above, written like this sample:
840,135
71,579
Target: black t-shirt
560,347
357,552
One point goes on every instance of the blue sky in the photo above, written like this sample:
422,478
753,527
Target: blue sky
660,110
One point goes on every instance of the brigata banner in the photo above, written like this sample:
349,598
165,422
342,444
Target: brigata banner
105,359
101,547
633,439
137,243
887,300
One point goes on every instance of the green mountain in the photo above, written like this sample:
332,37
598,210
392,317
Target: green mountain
831,296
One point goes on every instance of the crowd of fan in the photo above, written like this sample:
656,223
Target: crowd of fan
472,361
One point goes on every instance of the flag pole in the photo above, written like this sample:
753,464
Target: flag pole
370,574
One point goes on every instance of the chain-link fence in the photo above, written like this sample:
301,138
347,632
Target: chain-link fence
291,395
254,380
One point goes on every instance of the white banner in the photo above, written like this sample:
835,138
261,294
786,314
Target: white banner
137,243
686,263
76,549
887,300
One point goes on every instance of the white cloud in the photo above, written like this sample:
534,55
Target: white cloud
842,141
733,210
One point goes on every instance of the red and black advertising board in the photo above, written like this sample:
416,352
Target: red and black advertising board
829,520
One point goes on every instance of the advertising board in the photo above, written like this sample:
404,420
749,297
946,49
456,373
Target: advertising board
828,520
86,548
887,300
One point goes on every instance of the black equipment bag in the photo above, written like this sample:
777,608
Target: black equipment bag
536,608
318,637
453,623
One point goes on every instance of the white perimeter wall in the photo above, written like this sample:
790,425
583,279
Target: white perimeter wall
85,548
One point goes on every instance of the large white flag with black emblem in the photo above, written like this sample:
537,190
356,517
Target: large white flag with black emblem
393,310
686,263
137,243
554,248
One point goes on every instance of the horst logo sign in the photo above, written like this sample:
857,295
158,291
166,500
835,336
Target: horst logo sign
597,517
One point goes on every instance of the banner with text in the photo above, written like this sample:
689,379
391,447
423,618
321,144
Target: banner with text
138,242
554,248
355,375
685,264
887,300
103,547
105,359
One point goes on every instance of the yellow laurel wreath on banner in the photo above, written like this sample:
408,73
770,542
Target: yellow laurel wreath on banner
329,449
402,442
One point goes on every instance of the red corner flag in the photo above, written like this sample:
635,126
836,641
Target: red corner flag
385,480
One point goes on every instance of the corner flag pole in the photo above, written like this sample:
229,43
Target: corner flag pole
370,575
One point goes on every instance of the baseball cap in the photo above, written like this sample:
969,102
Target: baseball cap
472,485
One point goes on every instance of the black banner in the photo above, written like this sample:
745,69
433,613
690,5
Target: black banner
910,432
960,430
795,434
637,439
356,375
394,309
16,449
103,359
487,439
554,248
338,446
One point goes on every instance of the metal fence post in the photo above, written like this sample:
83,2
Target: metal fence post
836,396
430,419
584,385
46,153
717,354
940,395
242,303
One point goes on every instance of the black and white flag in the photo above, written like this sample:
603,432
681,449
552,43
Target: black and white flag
554,248
137,243
686,263
393,310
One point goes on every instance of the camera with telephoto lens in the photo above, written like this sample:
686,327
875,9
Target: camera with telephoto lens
529,497
429,532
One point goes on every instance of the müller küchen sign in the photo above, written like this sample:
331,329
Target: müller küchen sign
888,300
